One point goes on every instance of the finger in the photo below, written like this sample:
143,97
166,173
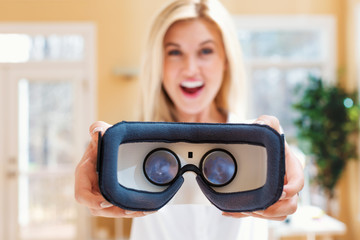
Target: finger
116,212
294,178
90,155
281,218
86,190
86,180
280,208
91,200
86,195
235,215
271,121
251,214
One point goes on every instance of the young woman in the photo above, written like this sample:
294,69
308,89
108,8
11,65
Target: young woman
191,72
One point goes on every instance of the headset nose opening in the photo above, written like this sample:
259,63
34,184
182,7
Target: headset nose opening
189,168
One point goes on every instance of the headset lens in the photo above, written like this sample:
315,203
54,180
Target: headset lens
161,166
218,167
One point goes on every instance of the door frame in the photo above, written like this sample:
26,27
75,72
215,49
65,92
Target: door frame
83,74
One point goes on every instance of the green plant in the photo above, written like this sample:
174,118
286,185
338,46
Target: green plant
328,117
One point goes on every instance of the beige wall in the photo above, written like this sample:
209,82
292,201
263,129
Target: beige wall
122,24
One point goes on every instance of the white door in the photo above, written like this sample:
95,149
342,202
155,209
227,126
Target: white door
46,107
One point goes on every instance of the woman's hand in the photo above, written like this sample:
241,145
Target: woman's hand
293,183
87,190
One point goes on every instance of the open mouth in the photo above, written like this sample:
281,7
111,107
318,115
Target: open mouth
192,88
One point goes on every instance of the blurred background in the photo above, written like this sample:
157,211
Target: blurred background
65,64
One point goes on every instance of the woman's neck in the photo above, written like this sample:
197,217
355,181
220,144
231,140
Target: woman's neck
209,115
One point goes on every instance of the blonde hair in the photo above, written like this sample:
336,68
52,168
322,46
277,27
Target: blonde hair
155,104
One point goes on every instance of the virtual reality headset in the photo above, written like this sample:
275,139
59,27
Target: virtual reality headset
238,167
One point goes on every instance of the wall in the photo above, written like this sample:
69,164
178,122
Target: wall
122,24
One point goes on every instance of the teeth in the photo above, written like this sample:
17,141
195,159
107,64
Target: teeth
192,84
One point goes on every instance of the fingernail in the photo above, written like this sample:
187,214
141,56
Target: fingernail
147,213
283,195
97,129
106,204
128,212
260,122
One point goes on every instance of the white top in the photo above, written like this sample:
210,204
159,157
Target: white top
196,221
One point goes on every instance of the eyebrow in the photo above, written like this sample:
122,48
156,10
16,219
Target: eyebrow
178,45
208,41
171,44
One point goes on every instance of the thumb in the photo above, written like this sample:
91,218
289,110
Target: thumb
96,127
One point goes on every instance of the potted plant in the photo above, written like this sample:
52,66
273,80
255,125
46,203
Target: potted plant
328,119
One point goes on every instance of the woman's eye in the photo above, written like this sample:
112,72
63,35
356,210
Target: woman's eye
174,53
206,51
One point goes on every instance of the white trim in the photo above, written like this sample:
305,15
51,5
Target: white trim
11,161
4,154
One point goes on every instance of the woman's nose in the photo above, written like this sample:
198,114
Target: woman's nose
191,65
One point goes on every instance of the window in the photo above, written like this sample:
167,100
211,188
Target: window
279,53
46,159
25,48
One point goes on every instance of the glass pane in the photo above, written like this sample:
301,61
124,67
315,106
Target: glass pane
273,93
46,146
14,48
277,44
24,48
57,47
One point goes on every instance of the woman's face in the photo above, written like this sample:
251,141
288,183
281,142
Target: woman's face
194,64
